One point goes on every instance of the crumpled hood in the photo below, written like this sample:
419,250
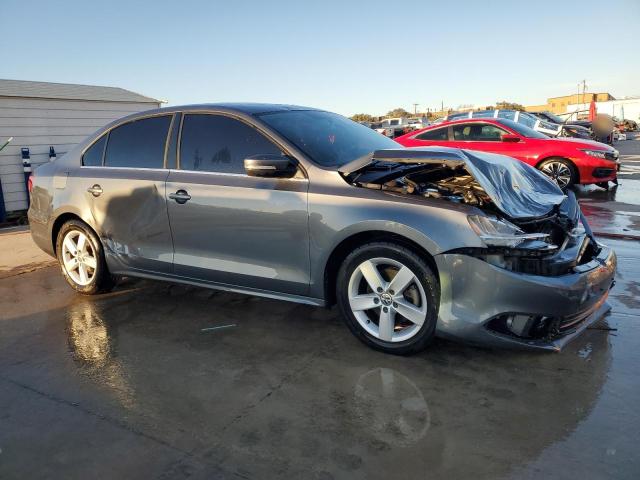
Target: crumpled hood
517,189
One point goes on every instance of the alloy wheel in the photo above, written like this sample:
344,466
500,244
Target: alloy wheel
387,299
558,172
79,257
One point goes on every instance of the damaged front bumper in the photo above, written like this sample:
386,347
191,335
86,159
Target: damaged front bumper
482,303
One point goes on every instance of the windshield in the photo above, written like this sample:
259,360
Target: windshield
553,118
522,129
329,139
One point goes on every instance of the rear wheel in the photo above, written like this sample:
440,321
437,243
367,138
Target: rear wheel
389,298
81,259
561,171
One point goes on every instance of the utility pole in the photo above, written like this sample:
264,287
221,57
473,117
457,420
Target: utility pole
415,108
584,89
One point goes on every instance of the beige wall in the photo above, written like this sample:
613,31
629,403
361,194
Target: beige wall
559,104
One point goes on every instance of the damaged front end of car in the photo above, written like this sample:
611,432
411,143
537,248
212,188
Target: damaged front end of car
545,277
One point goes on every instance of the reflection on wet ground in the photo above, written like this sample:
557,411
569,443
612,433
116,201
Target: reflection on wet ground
615,211
289,393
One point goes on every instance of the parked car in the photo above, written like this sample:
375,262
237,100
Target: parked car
619,136
568,129
305,205
567,161
524,118
394,127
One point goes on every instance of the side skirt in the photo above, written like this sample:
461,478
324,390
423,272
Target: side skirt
318,302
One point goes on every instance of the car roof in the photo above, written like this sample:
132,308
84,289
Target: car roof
246,108
465,120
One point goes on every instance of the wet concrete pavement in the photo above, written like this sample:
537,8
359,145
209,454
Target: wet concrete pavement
137,384
617,211
132,384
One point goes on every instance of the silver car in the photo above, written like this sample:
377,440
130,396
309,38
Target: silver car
304,205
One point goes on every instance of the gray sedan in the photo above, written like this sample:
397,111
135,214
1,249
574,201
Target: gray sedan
305,205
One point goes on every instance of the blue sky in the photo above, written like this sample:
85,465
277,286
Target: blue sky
358,56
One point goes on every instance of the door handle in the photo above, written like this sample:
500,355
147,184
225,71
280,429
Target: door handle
181,196
96,190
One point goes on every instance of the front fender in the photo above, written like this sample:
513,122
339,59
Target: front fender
436,226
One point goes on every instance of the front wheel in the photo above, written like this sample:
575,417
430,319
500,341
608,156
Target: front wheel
389,298
561,171
81,259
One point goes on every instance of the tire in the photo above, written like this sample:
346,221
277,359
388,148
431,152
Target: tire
96,278
418,299
559,169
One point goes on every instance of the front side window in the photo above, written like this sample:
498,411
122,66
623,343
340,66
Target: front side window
215,143
138,144
477,132
93,155
435,134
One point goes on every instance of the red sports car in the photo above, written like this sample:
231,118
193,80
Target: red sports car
566,160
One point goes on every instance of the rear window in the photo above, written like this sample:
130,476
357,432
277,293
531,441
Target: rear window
458,116
527,119
93,156
484,114
138,144
435,134
507,114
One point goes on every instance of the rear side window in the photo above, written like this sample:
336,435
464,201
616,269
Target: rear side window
138,144
435,134
93,156
215,143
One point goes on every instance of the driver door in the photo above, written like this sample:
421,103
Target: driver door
231,228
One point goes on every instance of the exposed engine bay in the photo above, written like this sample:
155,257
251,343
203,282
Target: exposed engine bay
555,244
432,181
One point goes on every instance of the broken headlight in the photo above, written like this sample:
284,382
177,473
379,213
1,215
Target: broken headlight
501,233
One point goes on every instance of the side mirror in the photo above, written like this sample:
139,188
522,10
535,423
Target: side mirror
510,138
269,165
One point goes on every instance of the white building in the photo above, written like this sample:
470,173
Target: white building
625,108
41,115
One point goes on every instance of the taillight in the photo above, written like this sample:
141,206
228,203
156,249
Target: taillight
30,183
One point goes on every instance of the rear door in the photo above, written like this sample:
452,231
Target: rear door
123,175
228,227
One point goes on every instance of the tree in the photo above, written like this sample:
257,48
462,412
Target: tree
504,105
362,117
398,112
